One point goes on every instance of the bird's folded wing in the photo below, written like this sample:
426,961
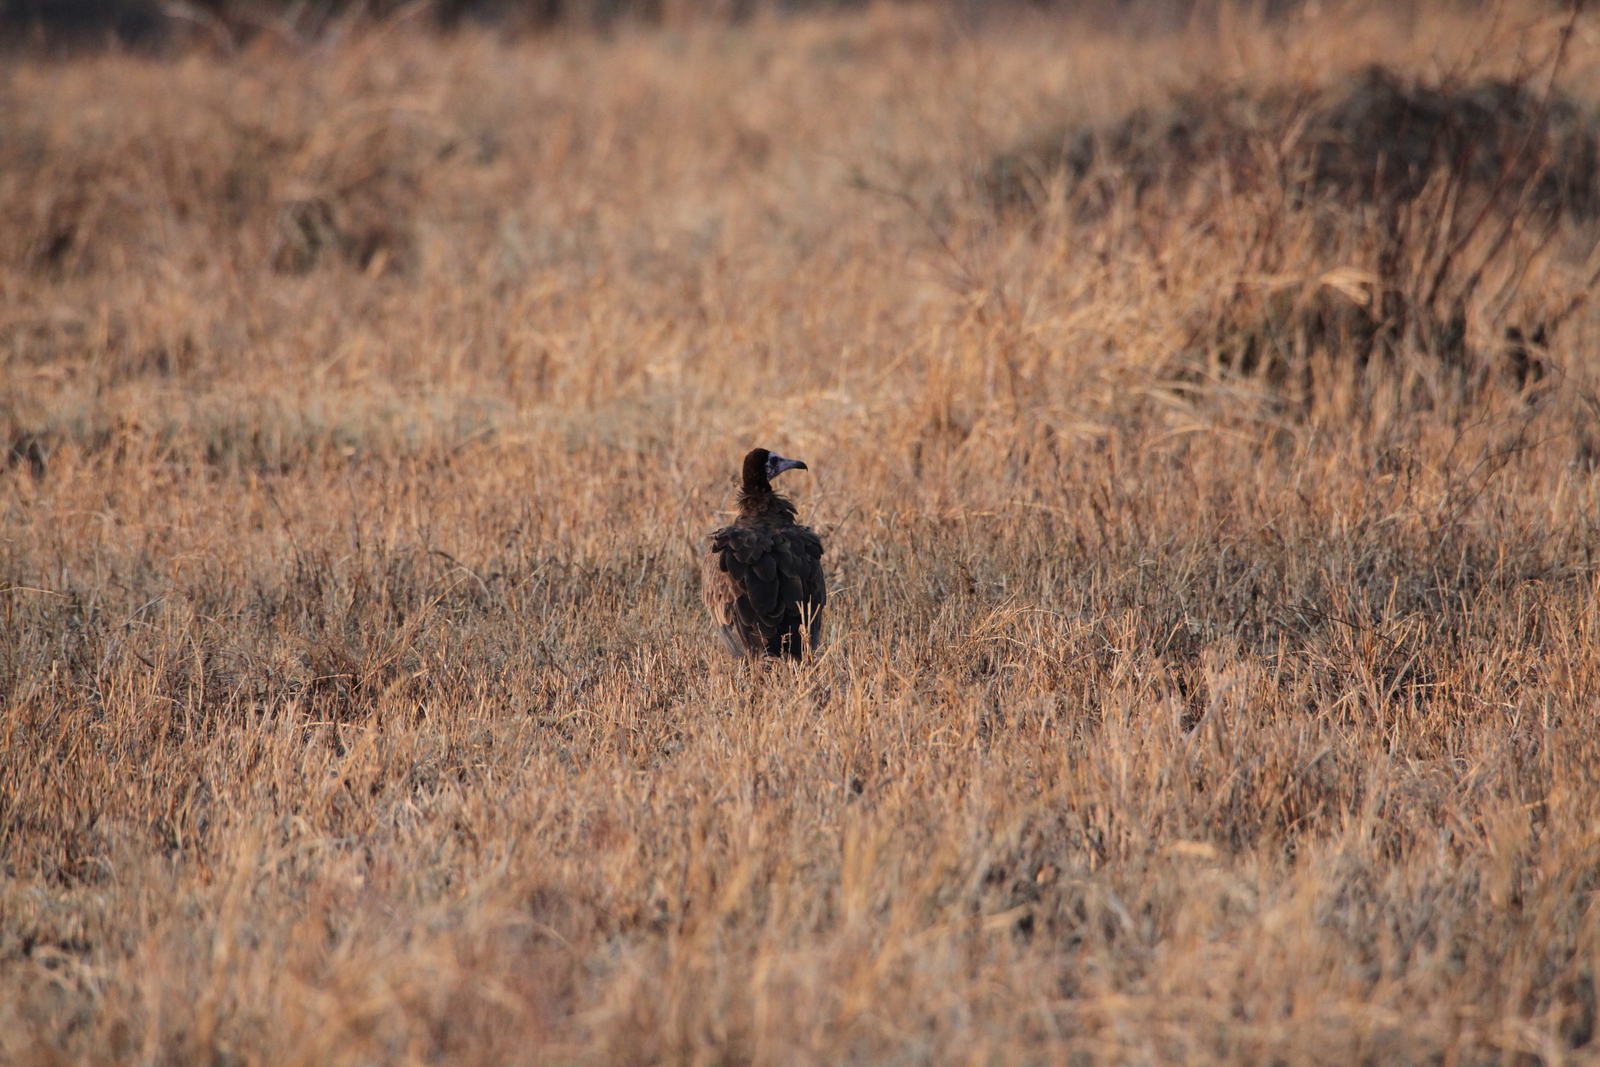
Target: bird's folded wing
809,565
761,582
740,565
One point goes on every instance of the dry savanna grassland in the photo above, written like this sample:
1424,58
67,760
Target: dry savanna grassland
1203,430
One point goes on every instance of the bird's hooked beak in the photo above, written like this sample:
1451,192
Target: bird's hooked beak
776,465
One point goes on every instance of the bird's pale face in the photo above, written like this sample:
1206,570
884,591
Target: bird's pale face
776,465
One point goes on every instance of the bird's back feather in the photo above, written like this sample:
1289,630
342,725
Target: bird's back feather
765,587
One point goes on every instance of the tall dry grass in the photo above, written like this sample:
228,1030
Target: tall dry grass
359,707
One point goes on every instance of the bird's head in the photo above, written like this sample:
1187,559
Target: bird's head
761,466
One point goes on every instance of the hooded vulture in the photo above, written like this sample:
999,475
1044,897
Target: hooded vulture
762,576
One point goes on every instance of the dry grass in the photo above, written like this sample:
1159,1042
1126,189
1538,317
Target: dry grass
359,706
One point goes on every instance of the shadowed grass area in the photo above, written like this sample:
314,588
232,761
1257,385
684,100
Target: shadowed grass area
368,406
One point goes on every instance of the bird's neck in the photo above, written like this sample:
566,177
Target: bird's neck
764,505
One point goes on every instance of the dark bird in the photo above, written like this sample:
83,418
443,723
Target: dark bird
762,576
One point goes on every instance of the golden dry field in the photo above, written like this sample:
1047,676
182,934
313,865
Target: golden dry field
1213,653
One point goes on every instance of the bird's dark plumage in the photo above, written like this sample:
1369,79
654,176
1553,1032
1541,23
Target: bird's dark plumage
762,576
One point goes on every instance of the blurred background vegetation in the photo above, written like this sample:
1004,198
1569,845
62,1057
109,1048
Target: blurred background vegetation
176,25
